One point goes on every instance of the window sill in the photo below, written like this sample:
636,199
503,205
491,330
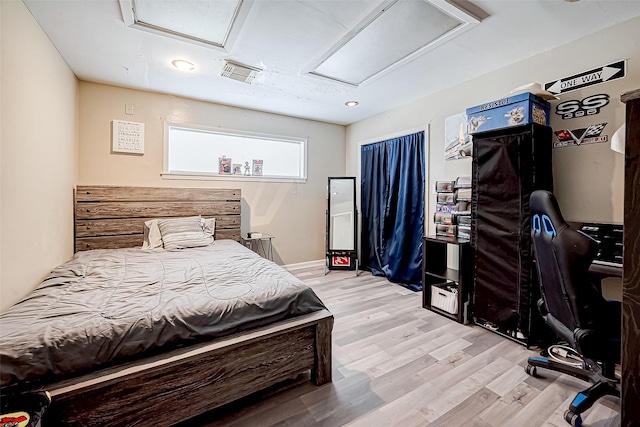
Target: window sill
237,178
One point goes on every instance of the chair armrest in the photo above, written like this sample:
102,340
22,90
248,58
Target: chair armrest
542,307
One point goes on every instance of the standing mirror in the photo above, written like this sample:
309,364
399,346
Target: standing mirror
341,224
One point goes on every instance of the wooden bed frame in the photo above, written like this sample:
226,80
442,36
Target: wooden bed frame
171,387
113,217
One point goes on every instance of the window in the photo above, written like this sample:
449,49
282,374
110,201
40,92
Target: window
195,151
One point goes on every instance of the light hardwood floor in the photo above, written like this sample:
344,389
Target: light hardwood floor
397,364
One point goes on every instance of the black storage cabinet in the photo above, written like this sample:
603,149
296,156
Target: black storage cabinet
508,165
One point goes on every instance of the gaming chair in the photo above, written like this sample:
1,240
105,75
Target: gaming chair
572,307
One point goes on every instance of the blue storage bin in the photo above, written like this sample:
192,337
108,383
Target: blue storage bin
514,110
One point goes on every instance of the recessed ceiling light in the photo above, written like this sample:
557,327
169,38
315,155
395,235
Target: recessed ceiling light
351,103
183,65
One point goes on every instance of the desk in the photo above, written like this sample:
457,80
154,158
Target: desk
260,245
607,278
605,270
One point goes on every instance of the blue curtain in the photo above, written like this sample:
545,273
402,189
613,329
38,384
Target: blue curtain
392,180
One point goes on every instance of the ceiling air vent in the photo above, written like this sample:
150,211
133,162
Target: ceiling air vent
242,73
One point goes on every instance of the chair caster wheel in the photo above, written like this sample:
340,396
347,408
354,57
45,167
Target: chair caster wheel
531,370
573,419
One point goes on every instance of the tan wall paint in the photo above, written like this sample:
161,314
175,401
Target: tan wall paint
293,212
588,179
39,154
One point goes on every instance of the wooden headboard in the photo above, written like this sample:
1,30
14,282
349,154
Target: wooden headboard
113,217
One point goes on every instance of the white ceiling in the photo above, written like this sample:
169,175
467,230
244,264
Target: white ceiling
287,39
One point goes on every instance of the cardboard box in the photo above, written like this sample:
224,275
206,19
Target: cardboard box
463,182
463,194
445,198
514,110
445,186
461,206
464,232
443,218
462,219
445,230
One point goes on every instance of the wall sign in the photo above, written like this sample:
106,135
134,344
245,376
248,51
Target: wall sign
616,70
579,108
127,137
588,135
458,142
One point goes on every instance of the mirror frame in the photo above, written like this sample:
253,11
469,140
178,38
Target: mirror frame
353,213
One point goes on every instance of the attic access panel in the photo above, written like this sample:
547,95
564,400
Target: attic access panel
392,36
213,23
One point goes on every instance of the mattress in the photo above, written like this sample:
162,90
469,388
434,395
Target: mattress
105,306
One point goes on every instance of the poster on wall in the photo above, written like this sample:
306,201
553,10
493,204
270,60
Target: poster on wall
127,137
458,142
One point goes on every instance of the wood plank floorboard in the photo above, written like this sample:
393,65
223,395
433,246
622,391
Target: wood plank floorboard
397,364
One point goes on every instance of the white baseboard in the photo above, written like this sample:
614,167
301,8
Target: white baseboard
306,264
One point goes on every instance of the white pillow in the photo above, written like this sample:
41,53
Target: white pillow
152,237
209,226
180,233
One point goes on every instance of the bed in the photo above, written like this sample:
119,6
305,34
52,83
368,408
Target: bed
226,343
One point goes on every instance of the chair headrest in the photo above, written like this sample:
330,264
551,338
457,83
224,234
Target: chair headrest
545,213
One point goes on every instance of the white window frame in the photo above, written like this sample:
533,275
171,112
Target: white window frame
167,174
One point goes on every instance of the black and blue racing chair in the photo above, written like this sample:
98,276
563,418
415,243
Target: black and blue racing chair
572,307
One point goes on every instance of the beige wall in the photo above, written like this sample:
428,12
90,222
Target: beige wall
588,179
293,212
39,152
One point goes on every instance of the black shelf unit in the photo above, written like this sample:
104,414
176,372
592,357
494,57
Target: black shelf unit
508,165
436,273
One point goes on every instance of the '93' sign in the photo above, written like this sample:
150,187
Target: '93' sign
587,107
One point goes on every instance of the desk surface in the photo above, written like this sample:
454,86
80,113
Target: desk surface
607,270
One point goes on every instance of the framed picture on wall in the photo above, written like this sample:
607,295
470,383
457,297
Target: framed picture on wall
127,137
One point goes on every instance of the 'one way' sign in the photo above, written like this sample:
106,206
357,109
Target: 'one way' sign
588,78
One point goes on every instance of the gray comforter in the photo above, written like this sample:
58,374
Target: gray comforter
106,305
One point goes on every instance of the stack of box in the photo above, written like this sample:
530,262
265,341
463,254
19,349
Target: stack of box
445,207
453,208
462,217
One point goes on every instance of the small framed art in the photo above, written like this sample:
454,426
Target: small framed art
127,137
